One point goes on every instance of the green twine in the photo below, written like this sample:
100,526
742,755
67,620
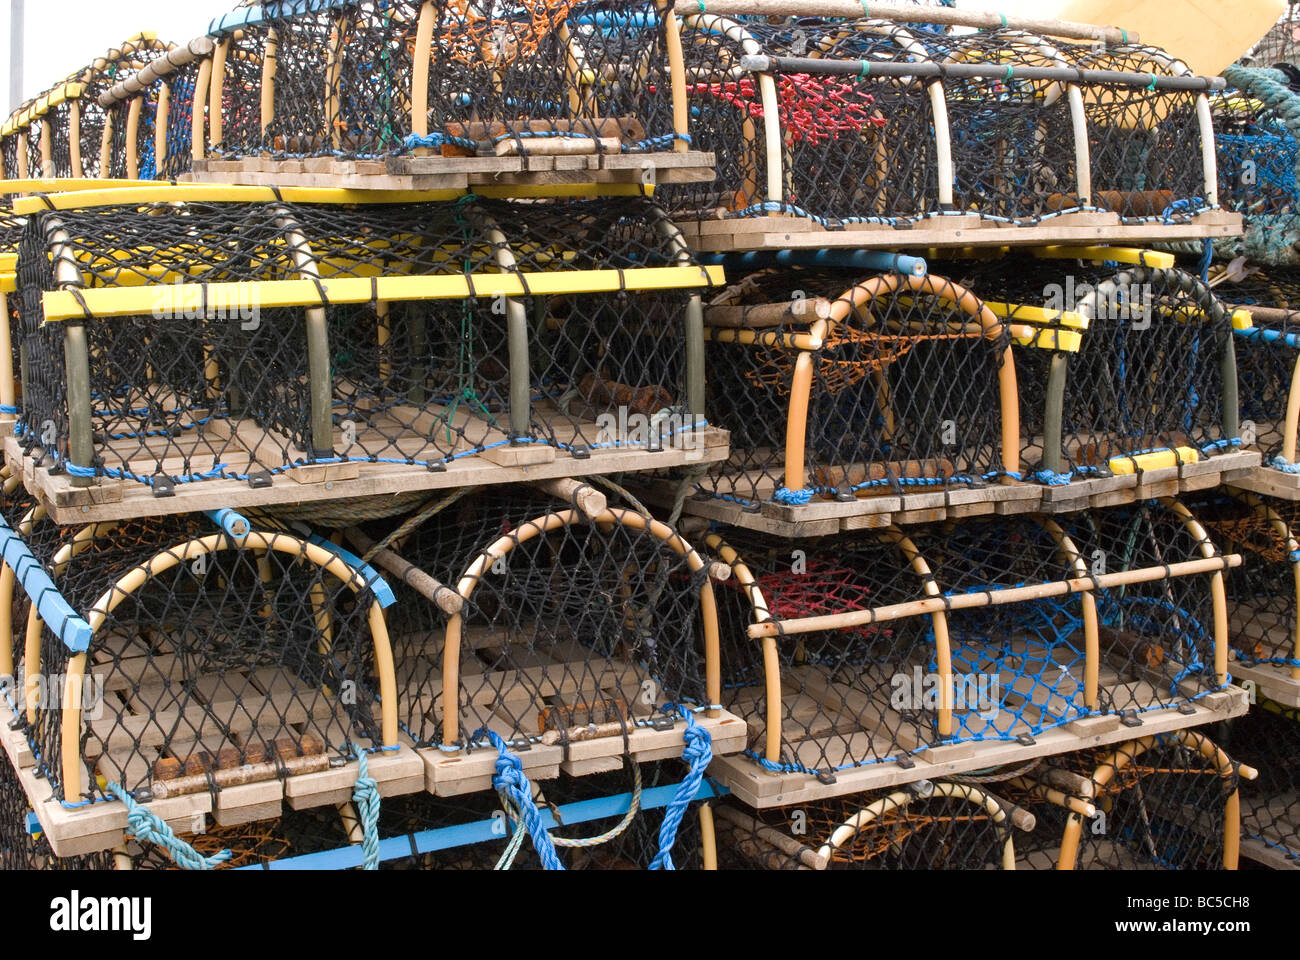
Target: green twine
1152,87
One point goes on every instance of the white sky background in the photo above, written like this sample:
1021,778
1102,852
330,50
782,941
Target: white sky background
66,34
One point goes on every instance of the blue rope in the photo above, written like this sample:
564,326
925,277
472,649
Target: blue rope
365,794
795,498
414,141
513,785
698,754
147,827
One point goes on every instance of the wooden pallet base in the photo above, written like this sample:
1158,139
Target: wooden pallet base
1261,853
761,789
100,826
469,771
823,517
964,230
460,173
121,499
1272,681
1270,482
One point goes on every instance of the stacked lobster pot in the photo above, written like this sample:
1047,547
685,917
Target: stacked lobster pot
610,434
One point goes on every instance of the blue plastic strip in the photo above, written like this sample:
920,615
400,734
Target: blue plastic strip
1268,336
54,610
483,831
861,259
274,10
383,592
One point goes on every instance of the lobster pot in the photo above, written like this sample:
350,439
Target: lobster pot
1151,150
565,621
9,155
20,849
978,140
1268,738
1255,135
211,661
97,79
1151,380
835,388
879,645
1268,360
943,825
1164,802
1262,624
368,79
422,333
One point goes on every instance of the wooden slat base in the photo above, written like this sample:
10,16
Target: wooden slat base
117,500
823,517
965,230
460,173
758,788
1272,681
452,774
1270,482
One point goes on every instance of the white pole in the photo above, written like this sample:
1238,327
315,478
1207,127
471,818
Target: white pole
15,54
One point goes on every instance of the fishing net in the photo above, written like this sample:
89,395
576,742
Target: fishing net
943,825
835,388
1006,657
22,844
1268,738
1166,802
462,356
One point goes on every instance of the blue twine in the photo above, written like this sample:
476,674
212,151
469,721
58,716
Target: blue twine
6,408
414,141
1278,463
510,781
698,754
1051,479
794,498
147,827
365,794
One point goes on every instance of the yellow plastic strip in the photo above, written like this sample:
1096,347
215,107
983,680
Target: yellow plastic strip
1133,256
1067,341
8,262
8,283
65,184
146,191
1155,460
41,106
1242,320
1024,313
182,299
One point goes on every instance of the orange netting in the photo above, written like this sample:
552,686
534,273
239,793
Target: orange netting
474,37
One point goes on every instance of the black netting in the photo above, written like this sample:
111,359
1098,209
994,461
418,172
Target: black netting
1148,374
953,826
22,845
412,382
872,689
214,656
902,379
1268,738
179,122
526,77
1262,591
566,622
1013,150
1267,356
1160,803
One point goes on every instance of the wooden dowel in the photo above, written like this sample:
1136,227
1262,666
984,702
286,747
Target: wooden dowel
235,776
584,497
446,599
1074,783
1083,808
557,146
994,597
916,13
806,855
767,314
